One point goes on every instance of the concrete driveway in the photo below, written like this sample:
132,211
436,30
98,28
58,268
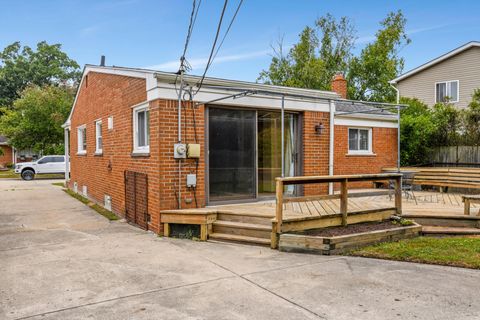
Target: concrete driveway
61,260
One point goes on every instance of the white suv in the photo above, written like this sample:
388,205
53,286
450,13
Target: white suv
44,165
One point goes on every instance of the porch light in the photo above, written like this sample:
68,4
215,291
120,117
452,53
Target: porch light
319,128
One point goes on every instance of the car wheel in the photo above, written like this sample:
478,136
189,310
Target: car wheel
28,175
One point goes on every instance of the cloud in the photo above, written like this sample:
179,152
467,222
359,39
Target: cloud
370,38
200,63
88,31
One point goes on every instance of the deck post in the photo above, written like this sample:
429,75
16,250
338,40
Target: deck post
466,208
278,213
166,230
344,201
398,194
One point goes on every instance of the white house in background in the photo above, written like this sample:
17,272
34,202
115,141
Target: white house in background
452,76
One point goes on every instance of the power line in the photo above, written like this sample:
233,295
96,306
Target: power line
228,29
213,46
193,19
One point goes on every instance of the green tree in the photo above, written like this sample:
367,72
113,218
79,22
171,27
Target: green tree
379,62
21,67
311,63
448,122
472,120
36,117
417,131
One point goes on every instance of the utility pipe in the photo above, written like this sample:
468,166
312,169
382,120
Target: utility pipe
331,144
283,137
180,137
398,123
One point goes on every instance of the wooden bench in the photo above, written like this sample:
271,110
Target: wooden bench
468,200
466,178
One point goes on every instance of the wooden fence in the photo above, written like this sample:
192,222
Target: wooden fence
343,180
456,156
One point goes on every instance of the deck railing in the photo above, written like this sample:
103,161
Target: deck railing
344,180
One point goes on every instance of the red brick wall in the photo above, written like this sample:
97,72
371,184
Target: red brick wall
168,131
315,149
100,97
7,156
384,147
111,95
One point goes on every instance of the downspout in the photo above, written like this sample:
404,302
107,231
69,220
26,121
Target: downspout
331,144
67,155
398,123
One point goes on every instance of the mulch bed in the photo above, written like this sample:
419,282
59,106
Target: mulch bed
351,229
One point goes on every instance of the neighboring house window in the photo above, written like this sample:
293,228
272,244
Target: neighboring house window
446,91
359,140
98,137
82,139
141,129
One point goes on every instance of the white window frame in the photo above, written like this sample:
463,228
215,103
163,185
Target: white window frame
135,110
448,89
98,134
80,140
360,152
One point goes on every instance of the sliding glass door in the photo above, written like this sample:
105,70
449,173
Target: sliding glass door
245,156
231,157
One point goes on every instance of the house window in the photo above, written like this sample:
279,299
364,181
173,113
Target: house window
82,139
98,137
141,129
446,91
359,140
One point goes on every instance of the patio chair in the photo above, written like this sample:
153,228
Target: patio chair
407,185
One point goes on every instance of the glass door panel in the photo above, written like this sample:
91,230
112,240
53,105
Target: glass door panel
231,139
269,141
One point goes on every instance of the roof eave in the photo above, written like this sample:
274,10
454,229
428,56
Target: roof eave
435,61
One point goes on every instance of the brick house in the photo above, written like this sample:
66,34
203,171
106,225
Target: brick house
8,155
124,124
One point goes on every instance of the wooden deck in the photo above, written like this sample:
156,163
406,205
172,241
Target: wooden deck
427,203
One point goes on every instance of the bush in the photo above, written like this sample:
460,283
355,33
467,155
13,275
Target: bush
416,131
424,128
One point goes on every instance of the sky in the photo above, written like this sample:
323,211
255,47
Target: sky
151,33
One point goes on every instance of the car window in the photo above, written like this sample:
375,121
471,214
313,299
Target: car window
45,160
59,159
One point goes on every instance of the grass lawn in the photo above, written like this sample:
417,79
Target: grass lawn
451,251
10,174
101,210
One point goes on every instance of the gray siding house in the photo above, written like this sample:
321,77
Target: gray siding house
452,76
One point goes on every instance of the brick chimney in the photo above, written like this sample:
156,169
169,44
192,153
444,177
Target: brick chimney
339,85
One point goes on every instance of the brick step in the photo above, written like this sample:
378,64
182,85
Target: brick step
460,231
238,238
251,218
242,229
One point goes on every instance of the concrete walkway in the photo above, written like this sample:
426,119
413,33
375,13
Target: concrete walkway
61,260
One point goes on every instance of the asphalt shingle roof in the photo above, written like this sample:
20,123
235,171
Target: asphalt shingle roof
346,106
3,139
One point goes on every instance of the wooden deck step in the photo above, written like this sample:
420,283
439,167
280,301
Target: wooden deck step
452,231
245,217
243,229
238,238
